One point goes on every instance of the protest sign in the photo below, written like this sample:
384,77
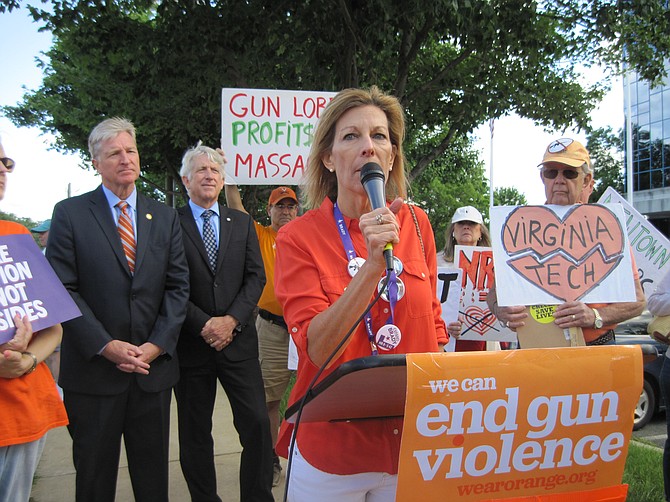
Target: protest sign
548,255
462,292
29,287
651,249
497,425
266,134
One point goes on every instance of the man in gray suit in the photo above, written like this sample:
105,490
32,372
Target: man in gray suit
218,340
121,257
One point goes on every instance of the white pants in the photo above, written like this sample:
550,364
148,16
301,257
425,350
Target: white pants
18,463
308,484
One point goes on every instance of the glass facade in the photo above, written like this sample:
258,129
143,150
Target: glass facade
650,122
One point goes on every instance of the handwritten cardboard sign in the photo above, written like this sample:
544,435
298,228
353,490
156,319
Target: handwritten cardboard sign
29,287
651,248
503,424
267,134
555,254
463,291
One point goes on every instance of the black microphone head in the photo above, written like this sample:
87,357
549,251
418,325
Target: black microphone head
370,171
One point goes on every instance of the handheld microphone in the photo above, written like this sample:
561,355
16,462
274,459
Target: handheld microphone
372,179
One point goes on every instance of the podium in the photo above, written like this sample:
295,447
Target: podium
365,388
478,426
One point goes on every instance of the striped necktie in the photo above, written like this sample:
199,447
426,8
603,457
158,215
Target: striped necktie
209,239
125,228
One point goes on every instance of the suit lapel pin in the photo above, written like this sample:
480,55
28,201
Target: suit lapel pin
148,216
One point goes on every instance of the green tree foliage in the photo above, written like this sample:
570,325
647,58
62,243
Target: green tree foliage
453,63
26,222
508,196
606,152
455,179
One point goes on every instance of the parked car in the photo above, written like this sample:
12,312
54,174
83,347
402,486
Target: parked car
634,332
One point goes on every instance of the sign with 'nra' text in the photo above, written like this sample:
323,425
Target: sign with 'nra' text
504,424
266,134
30,288
462,292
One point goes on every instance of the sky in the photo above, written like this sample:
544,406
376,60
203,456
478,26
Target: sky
519,144
43,176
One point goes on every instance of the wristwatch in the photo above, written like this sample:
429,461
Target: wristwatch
598,323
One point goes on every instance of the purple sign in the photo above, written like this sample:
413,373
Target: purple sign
29,287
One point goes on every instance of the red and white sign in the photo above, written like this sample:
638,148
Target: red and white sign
267,134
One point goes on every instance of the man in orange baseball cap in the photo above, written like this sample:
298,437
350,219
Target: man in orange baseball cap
566,172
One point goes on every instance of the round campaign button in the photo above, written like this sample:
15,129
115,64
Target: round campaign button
388,337
354,265
544,314
385,293
397,265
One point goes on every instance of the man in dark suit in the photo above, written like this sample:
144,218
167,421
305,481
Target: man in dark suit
218,339
121,257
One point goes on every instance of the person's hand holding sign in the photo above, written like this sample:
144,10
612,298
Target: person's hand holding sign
454,328
511,317
572,314
22,337
12,362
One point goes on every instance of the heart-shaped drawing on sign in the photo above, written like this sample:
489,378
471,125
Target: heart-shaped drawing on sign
566,257
478,320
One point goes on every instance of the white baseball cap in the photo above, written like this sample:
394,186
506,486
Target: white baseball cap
467,213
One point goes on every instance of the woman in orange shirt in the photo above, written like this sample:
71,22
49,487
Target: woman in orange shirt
329,267
29,399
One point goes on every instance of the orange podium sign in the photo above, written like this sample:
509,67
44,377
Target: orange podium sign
513,424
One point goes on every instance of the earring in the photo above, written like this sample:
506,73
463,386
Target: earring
331,170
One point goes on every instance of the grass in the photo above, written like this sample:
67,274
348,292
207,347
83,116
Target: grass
644,473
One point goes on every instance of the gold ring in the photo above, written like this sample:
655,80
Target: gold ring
380,219
574,317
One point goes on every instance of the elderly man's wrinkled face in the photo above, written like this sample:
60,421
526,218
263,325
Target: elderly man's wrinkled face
563,184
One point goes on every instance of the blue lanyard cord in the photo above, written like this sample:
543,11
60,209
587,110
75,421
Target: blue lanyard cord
390,281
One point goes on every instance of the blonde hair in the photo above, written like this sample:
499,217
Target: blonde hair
108,129
319,181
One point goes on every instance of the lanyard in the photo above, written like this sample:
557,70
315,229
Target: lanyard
392,284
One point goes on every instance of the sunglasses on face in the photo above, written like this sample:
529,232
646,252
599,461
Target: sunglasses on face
8,163
568,174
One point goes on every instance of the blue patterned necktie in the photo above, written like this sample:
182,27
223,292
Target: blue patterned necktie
208,238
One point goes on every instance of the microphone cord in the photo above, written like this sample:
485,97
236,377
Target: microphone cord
316,377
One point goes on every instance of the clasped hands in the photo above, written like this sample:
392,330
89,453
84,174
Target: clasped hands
131,358
219,332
